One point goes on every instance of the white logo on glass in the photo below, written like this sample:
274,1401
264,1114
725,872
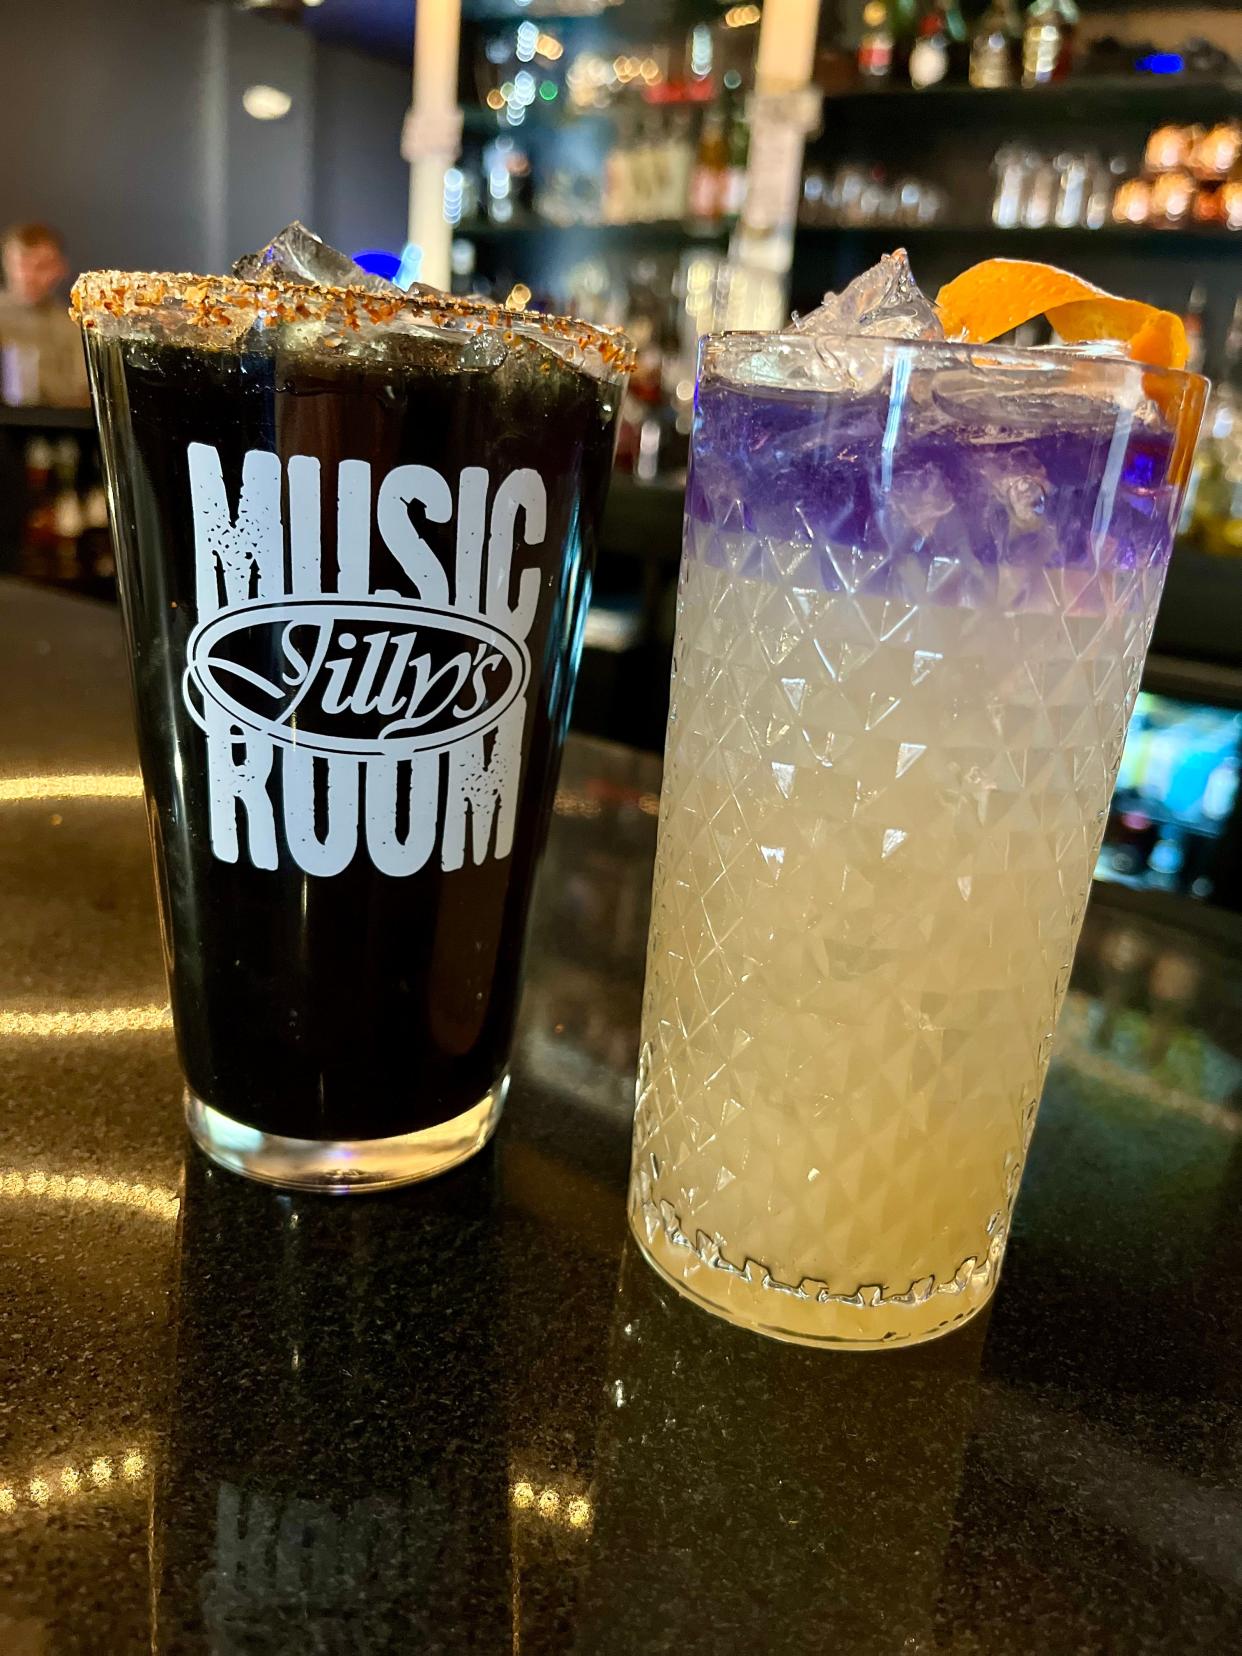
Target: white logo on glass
370,708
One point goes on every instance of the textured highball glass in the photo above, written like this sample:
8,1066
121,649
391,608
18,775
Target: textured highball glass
912,620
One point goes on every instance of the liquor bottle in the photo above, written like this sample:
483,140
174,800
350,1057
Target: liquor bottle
937,51
1132,201
96,543
1192,321
1231,362
1040,197
66,513
875,48
1215,512
1105,176
66,459
678,165
1073,172
36,536
1170,148
39,458
734,195
1229,212
710,167
646,181
1048,41
616,201
1013,165
903,30
67,527
996,46
1215,152
1172,198
959,41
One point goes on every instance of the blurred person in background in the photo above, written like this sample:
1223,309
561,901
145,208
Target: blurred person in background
40,348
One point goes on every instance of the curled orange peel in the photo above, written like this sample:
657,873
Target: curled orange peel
997,295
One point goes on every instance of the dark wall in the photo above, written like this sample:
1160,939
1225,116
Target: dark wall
122,124
362,184
269,164
102,125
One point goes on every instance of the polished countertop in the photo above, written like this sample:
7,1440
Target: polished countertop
467,1417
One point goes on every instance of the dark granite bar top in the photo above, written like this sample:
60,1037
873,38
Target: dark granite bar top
467,1417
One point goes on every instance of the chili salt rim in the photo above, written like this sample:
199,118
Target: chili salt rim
212,302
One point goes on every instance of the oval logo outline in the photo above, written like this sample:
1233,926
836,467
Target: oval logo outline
403,612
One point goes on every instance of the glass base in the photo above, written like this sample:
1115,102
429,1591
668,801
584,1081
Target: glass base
344,1166
866,1322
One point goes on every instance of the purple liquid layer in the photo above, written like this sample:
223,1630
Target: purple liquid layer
1060,483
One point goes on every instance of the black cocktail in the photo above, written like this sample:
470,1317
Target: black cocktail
354,535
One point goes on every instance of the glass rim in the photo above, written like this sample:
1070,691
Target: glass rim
216,304
1043,358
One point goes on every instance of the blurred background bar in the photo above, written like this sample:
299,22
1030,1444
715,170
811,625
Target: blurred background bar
602,166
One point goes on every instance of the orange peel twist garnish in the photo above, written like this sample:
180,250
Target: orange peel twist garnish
999,294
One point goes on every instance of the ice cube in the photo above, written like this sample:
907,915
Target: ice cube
883,303
298,255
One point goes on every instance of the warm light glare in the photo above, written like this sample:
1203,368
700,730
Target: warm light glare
553,1504
57,1187
86,785
737,17
518,297
266,103
571,804
495,98
104,1020
67,1482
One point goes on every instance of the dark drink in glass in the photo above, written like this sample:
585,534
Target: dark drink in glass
354,537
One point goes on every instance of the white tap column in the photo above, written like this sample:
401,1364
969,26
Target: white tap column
783,109
787,31
431,139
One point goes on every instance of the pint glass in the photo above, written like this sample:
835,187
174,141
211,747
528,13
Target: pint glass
354,537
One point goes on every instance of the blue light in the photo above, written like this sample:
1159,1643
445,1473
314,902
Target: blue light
379,262
410,267
1161,63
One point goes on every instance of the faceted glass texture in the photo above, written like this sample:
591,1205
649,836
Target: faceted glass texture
913,612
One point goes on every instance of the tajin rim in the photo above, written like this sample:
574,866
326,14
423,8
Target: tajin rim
215,302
